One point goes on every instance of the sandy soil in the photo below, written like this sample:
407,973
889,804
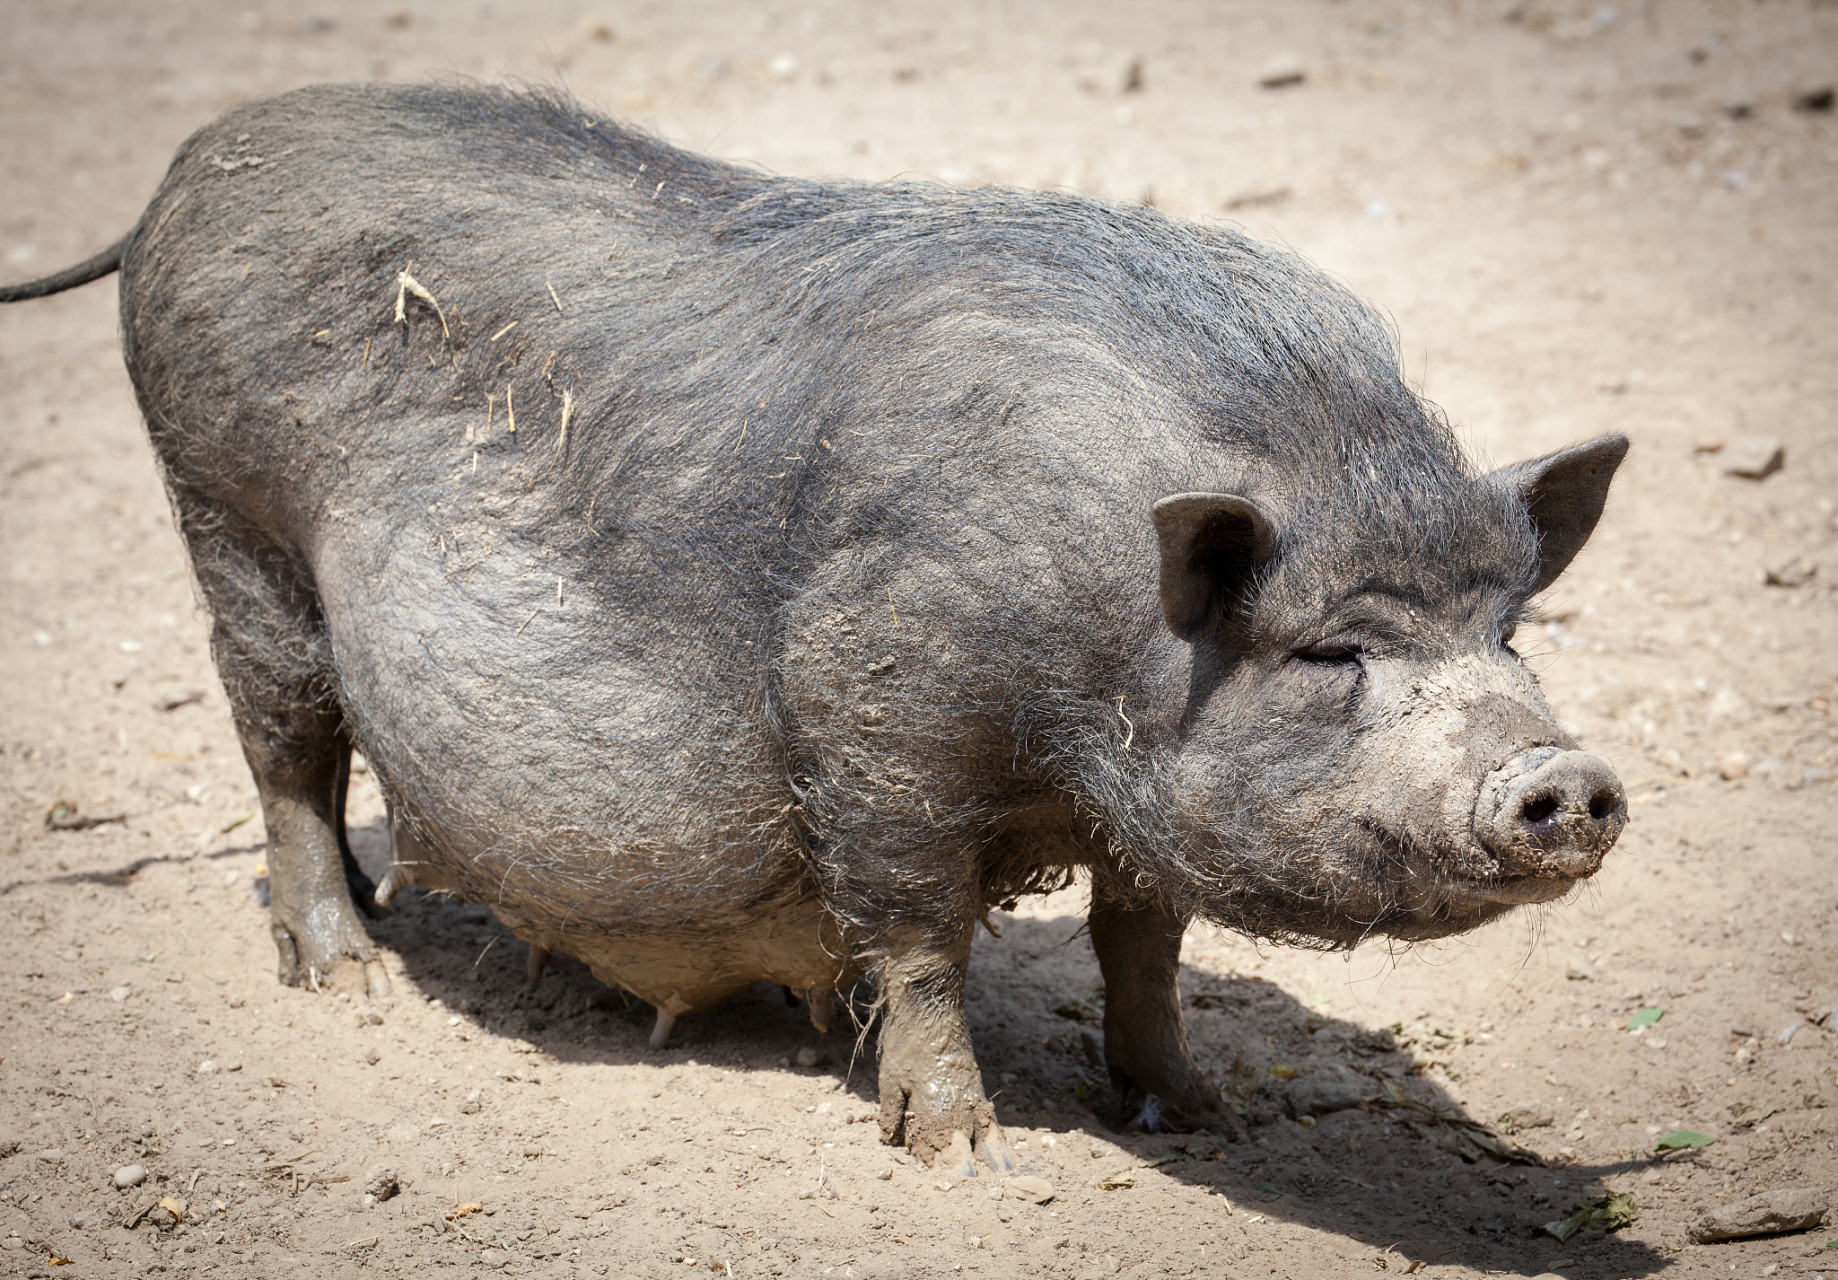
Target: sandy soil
1582,217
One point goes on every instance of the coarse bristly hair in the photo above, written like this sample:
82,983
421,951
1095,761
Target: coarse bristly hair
840,491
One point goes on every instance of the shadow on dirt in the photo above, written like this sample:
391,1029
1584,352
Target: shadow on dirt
119,876
1399,1173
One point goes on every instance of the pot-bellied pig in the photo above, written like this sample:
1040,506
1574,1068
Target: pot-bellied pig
737,578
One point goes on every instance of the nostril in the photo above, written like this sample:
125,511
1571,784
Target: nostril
1537,810
1602,803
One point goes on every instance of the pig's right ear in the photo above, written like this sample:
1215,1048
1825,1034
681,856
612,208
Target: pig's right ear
1212,545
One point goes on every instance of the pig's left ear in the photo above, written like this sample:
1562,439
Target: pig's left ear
1564,493
1212,545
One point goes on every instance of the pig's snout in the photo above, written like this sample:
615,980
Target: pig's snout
1551,812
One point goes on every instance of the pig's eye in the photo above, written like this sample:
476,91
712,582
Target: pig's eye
1333,655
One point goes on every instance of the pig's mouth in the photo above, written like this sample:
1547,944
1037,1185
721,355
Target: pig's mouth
1436,899
1452,905
1516,891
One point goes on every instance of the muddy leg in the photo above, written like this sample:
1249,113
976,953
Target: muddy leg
1145,1039
931,1089
268,641
321,943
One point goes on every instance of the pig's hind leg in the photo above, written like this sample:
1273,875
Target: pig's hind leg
1152,1067
269,642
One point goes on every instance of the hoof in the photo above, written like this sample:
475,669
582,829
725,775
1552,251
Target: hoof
957,1160
376,979
997,1153
537,964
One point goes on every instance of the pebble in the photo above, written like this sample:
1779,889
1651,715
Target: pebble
207,1068
381,1182
1529,1115
1795,571
130,1175
1770,1213
807,1057
85,1219
372,1058
1733,766
1032,1189
1752,457
120,993
1331,1089
1282,72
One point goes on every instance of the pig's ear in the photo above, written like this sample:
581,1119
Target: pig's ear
1212,544
1564,492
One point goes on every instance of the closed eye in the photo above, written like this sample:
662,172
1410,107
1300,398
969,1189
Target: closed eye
1332,655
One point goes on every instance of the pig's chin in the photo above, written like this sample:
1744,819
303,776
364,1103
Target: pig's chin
1413,896
1439,902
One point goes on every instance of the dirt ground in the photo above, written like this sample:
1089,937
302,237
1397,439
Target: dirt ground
1582,217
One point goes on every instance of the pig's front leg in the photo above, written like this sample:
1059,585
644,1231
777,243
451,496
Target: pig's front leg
1145,1039
932,1096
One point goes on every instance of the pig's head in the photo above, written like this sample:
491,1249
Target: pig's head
1360,750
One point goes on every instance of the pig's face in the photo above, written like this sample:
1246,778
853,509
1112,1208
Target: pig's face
1361,750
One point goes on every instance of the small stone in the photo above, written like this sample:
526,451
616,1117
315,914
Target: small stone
372,1057
1733,766
1577,971
86,1219
1770,1213
1795,571
807,1057
1817,100
381,1182
1032,1189
120,993
1283,71
532,1151
12,1242
207,1068
1528,1115
130,1175
1752,457
1331,1089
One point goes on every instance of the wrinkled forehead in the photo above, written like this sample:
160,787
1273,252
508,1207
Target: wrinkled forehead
1440,551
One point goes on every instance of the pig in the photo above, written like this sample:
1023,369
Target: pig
734,578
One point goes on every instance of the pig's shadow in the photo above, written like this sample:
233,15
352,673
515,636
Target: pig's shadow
1359,1174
